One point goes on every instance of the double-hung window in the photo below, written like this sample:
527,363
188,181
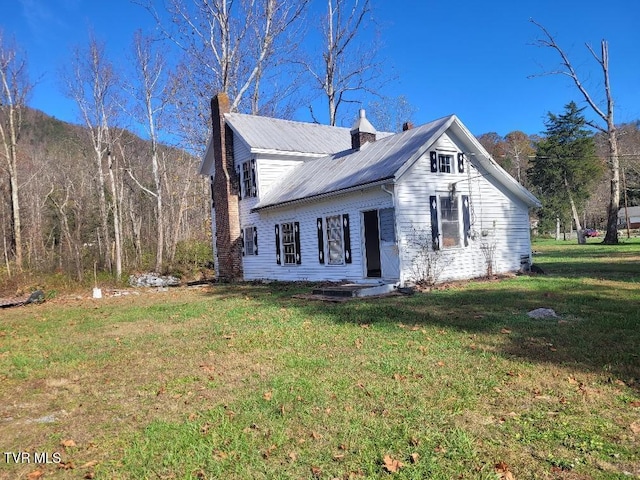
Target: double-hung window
249,187
289,243
334,240
250,241
445,163
450,220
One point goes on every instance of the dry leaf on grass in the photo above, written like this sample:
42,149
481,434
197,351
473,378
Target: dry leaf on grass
635,404
316,471
391,465
68,443
502,469
505,331
35,475
635,427
267,395
414,457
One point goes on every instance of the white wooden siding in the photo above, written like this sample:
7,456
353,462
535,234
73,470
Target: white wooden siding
496,218
264,265
270,171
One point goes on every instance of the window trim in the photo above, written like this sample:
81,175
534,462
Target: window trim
294,254
442,162
249,237
249,184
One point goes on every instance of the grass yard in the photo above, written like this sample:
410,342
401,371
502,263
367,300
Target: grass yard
246,382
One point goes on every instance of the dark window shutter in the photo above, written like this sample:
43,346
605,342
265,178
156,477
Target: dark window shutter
320,241
254,184
434,161
242,242
239,172
255,240
435,237
346,238
460,162
278,244
466,219
296,232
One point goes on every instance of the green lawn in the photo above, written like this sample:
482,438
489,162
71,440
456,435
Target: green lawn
243,382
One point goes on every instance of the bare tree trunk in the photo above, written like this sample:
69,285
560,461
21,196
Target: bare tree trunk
611,237
117,223
14,89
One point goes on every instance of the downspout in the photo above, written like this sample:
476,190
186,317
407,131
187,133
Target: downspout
395,224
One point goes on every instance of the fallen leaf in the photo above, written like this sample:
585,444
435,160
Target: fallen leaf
337,457
89,475
316,471
315,435
440,449
620,382
365,325
35,475
414,457
267,453
358,343
635,427
267,395
293,456
90,464
68,443
66,465
503,470
391,465
505,331
397,376
572,381
219,455
440,364
635,404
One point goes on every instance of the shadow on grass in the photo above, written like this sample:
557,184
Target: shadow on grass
598,329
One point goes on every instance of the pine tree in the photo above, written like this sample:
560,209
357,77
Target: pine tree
565,167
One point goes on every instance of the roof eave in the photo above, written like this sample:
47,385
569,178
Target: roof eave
323,195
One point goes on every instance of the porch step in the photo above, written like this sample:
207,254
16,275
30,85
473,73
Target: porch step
355,290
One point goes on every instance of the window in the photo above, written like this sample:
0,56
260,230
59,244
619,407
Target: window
445,163
450,220
250,239
334,240
289,244
249,179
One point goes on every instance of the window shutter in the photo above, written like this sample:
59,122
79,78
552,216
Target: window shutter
466,219
254,184
239,172
434,161
255,240
460,162
296,233
242,242
346,238
278,244
435,237
320,241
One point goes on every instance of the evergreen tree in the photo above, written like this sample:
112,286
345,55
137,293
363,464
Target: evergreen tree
565,167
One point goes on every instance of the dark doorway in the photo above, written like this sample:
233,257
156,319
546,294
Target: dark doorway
372,243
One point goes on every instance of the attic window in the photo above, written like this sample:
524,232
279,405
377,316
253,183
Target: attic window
445,163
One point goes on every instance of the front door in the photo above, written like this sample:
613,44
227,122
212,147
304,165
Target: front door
372,244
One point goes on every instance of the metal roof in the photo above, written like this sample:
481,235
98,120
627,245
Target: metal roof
265,133
374,162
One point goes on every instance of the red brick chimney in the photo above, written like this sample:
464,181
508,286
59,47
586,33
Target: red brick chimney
225,194
407,126
362,131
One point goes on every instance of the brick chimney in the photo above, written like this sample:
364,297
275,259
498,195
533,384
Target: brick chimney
225,194
407,126
362,131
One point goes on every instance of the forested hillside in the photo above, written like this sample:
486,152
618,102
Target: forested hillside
61,227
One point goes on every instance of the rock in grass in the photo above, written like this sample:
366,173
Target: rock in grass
541,313
36,297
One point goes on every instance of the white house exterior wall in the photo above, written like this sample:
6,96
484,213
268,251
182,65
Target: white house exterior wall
264,265
495,218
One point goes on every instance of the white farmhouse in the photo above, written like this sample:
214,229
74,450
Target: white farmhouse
302,201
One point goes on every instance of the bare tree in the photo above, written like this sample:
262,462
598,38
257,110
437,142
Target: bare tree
348,66
606,115
229,46
518,147
14,91
151,97
92,84
389,114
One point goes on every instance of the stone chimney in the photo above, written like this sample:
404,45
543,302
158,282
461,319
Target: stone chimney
225,194
362,131
407,126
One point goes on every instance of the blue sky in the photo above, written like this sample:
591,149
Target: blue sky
465,57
